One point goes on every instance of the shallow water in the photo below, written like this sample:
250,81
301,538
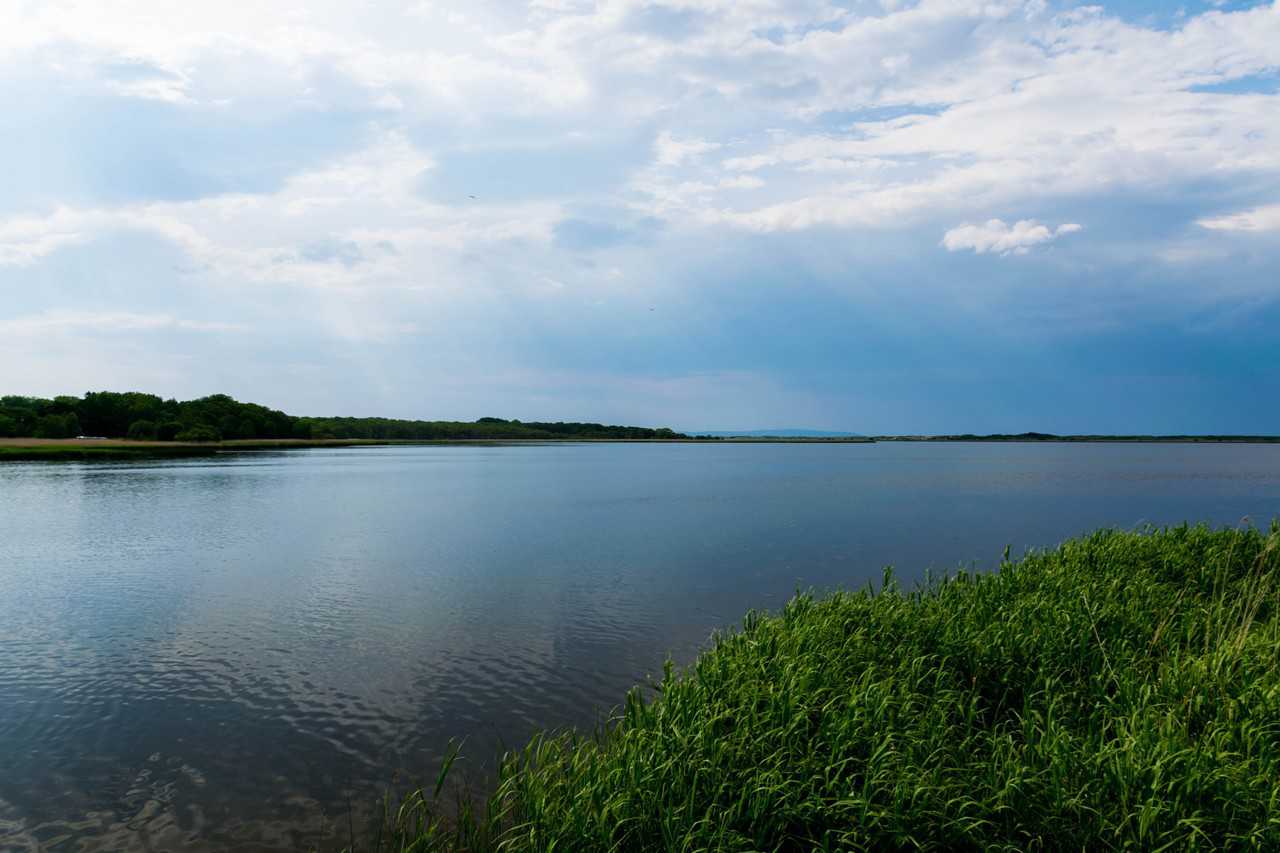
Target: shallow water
227,653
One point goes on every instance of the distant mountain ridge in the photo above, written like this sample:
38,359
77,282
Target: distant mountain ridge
789,432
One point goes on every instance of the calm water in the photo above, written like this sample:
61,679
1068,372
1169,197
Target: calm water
222,653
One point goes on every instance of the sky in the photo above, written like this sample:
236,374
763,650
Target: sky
882,216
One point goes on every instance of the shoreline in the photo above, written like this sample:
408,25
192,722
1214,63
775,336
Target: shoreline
1112,692
1087,439
115,449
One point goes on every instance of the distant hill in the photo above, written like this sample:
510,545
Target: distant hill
776,433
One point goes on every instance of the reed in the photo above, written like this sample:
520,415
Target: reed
115,452
1120,691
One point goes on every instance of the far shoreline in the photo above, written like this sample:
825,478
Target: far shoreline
118,449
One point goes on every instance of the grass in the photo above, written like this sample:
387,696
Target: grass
114,449
106,452
1120,691
117,449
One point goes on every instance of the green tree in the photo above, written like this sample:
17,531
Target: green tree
168,431
200,433
143,431
114,414
58,426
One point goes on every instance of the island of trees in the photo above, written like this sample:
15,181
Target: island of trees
147,417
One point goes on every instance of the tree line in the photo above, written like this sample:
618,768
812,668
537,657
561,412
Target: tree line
148,417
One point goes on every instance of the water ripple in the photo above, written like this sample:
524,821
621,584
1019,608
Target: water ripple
222,654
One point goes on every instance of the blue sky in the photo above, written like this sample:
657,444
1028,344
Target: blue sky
879,216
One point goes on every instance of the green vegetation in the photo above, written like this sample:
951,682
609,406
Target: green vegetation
209,419
484,428
1121,691
115,452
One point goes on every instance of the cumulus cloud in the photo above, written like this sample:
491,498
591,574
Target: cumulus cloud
871,116
995,235
357,222
392,167
1266,218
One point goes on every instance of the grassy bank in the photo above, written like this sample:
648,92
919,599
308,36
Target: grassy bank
114,449
107,452
125,450
1122,690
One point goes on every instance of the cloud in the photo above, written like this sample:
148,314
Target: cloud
672,152
752,163
385,184
24,240
919,109
741,182
376,229
1266,218
995,235
108,322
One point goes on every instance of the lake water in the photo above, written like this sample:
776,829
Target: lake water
225,653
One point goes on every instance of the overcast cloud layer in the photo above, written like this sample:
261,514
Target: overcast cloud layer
878,216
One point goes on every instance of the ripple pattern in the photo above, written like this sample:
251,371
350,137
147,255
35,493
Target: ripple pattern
222,654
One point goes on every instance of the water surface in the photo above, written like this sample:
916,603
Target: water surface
225,653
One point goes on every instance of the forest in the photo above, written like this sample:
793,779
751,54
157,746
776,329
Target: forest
147,417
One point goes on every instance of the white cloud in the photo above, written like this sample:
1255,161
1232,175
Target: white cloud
995,235
306,170
741,182
672,152
54,322
366,203
24,240
1001,100
720,116
1266,218
749,164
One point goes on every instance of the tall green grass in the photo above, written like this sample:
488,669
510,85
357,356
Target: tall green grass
1121,691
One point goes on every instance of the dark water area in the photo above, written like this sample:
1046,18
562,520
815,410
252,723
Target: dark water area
222,654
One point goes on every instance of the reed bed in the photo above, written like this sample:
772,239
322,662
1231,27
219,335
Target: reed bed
1120,691
104,452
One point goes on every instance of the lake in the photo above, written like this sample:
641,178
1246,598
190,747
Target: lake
235,653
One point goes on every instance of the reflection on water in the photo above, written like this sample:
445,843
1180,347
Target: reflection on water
220,653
